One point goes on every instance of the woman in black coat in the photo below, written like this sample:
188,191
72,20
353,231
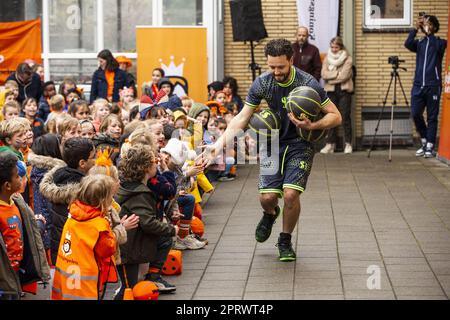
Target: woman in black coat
108,79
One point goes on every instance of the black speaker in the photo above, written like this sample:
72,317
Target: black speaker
247,20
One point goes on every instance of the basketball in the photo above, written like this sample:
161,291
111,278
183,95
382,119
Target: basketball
265,122
313,135
145,290
197,226
304,102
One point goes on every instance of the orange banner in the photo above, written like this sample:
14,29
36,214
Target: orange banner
180,51
18,41
444,137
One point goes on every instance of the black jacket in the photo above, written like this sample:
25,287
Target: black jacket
59,186
135,197
33,89
99,86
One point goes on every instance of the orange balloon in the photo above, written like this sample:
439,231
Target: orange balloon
145,290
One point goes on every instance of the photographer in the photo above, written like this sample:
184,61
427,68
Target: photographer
427,85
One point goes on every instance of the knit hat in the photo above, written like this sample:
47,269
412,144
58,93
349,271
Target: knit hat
198,108
165,81
179,151
180,115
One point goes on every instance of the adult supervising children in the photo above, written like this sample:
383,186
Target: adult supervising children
295,155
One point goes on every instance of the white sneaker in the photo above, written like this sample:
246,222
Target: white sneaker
329,148
421,152
189,242
429,150
348,148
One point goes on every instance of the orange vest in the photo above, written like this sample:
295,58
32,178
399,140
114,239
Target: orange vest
78,276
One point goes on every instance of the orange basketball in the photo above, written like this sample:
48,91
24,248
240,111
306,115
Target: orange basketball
145,290
197,226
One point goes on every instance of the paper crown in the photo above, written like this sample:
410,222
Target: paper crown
104,158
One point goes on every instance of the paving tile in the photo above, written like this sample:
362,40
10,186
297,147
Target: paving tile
419,291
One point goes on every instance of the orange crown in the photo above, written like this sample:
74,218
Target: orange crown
104,158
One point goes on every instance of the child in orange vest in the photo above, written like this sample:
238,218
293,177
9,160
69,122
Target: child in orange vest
86,252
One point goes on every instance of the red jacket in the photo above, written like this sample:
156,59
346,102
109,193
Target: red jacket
308,59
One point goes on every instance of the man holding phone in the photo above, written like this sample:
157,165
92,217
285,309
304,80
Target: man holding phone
427,87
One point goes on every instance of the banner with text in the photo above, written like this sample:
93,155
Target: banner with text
321,17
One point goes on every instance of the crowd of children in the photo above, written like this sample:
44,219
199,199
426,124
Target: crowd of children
95,190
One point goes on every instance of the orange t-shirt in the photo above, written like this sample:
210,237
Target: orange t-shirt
109,75
12,231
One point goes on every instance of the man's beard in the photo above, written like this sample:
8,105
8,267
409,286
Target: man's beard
284,79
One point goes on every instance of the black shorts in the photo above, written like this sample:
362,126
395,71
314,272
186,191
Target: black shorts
289,169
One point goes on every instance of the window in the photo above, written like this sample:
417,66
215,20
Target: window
73,26
19,10
120,20
387,14
183,12
80,70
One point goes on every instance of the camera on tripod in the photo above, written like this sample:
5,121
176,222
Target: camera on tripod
395,61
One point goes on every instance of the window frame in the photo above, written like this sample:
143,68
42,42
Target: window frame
388,25
208,20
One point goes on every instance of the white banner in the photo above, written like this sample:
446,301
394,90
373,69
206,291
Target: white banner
321,17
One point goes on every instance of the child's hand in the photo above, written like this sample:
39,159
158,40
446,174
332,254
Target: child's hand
163,162
40,217
182,192
130,222
176,215
194,170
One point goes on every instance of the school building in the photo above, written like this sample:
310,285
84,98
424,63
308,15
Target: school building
74,31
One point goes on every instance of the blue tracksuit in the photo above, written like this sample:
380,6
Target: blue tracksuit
426,91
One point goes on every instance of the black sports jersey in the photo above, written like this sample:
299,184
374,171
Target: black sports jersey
276,94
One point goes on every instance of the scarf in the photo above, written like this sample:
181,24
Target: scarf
336,60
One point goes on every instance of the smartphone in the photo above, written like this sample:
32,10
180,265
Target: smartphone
422,14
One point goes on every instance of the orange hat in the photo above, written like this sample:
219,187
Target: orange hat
123,59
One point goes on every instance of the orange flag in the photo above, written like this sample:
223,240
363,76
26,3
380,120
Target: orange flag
18,41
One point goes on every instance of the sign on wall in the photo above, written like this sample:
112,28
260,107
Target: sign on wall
321,17
181,52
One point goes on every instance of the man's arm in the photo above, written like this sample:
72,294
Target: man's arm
411,42
331,119
237,123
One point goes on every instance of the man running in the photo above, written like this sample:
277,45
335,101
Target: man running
296,155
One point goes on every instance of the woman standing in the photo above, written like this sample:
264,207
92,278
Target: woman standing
108,79
337,74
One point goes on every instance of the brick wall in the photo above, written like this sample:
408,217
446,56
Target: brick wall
371,50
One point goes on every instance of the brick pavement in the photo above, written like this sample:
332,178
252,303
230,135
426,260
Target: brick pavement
357,212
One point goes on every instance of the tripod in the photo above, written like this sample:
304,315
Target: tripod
395,76
254,66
